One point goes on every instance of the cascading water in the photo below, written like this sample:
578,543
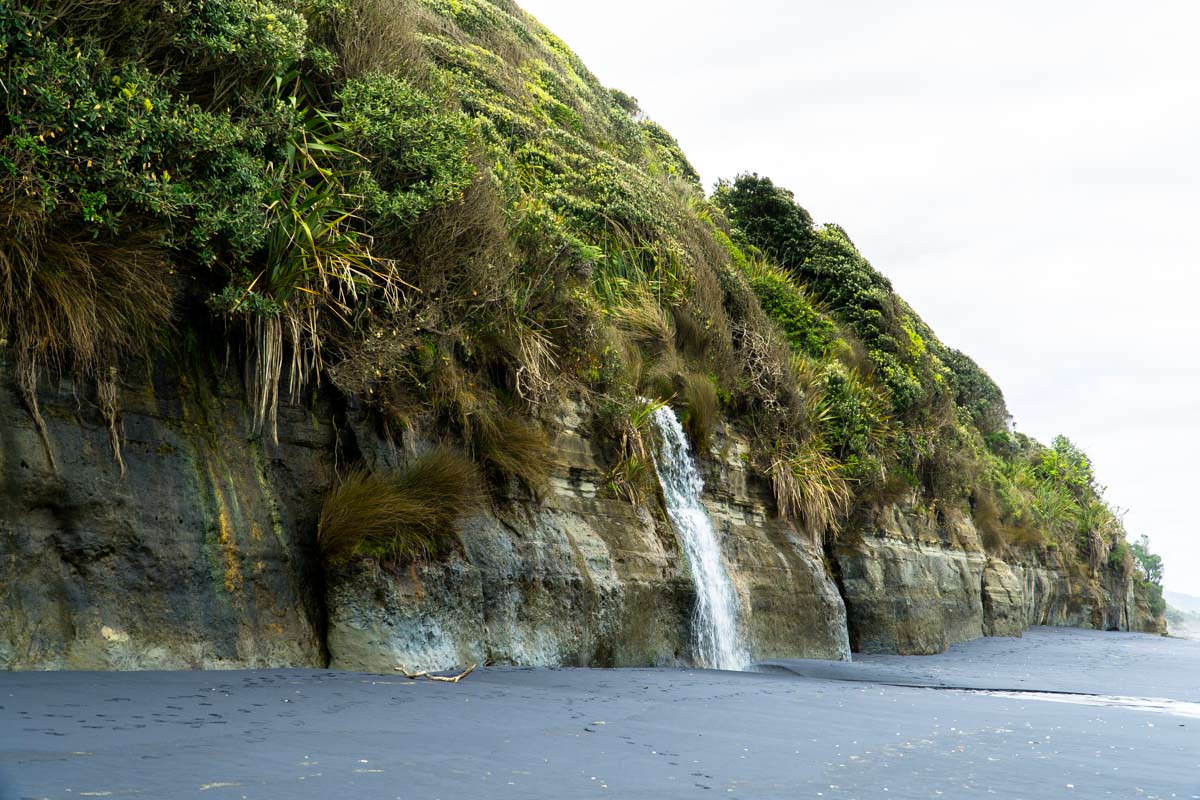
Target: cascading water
715,628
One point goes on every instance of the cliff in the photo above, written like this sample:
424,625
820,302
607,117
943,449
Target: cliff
203,555
330,331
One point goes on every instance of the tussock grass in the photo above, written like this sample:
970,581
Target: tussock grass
73,301
511,447
985,511
646,324
692,337
809,488
403,516
378,36
701,409
470,284
497,435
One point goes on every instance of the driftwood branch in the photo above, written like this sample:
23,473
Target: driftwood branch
412,676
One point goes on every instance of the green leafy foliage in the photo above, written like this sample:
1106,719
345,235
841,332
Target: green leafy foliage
788,304
668,153
1150,572
419,155
769,218
1149,564
976,392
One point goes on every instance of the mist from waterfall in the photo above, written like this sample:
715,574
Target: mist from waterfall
715,628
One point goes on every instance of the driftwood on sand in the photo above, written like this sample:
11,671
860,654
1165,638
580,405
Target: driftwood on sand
443,678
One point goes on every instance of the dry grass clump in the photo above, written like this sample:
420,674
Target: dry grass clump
378,36
701,409
72,301
692,337
646,324
403,516
809,487
471,284
497,435
510,447
1028,537
986,513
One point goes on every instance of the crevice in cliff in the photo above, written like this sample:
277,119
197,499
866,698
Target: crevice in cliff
834,567
346,450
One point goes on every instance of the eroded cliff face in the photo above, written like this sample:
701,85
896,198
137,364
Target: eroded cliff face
915,584
203,555
199,556
579,577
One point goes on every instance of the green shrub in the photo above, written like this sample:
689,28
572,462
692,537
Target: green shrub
1067,466
419,154
768,217
624,425
248,35
668,153
976,392
808,330
1149,564
408,515
858,428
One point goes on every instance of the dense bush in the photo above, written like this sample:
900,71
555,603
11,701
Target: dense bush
788,304
975,392
419,155
769,218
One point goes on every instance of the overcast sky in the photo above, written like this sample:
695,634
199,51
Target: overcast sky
1025,173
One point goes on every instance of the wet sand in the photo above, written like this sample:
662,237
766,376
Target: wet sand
882,727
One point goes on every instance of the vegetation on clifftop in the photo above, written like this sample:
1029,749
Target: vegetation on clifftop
434,207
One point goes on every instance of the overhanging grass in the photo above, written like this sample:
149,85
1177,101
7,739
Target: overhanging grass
402,516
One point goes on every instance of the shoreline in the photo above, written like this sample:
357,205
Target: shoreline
812,729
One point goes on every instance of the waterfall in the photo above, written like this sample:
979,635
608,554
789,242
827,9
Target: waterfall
715,627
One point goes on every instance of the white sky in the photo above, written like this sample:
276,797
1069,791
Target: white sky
1024,172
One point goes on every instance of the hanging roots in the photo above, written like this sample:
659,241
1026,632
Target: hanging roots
72,302
27,381
107,394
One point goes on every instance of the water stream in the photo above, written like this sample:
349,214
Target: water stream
715,628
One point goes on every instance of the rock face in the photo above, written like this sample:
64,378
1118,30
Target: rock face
1004,608
914,585
195,558
203,555
911,585
580,578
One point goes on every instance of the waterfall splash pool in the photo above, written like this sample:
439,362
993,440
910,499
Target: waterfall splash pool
715,628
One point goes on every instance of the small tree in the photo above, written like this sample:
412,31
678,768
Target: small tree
769,218
1150,565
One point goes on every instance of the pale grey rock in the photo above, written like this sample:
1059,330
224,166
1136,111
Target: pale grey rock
1003,599
581,578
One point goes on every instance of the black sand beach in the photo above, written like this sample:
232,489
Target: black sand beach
878,728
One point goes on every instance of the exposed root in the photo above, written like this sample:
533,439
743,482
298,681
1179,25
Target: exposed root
263,370
107,394
27,380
